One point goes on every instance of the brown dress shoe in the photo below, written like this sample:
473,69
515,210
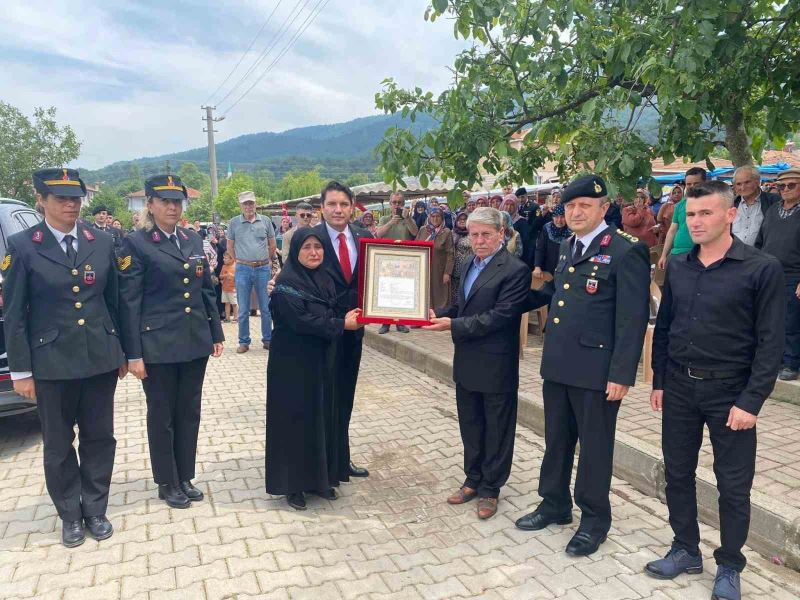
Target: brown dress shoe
487,508
462,496
242,349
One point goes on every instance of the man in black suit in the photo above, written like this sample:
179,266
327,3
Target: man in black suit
60,294
340,239
485,329
595,329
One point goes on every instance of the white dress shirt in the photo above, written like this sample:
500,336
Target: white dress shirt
175,233
349,239
59,235
587,239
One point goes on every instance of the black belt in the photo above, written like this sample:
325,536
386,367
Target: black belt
705,374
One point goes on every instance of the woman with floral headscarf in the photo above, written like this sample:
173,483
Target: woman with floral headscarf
510,235
443,257
463,252
521,226
549,242
368,223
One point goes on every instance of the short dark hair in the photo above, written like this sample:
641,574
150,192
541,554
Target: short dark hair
304,205
335,186
707,188
697,171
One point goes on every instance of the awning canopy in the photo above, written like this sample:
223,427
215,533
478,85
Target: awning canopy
767,172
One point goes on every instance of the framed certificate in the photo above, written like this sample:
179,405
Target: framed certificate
394,281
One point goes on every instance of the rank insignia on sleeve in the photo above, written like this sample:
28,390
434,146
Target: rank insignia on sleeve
123,262
6,263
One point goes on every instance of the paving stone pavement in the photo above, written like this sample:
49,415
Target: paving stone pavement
778,459
390,536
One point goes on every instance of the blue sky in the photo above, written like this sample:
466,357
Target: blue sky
130,76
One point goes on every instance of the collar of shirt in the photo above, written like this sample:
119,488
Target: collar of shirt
481,264
257,217
735,252
352,247
59,235
166,235
756,202
334,235
587,239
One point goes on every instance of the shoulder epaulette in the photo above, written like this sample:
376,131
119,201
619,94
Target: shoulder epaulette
632,239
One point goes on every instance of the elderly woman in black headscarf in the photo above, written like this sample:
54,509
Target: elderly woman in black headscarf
301,444
549,241
420,214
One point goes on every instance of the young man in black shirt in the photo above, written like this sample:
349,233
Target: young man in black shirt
717,347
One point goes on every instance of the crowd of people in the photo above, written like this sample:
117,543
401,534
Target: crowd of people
85,305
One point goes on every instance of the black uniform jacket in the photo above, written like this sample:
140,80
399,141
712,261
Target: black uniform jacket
61,319
598,313
485,326
168,308
347,293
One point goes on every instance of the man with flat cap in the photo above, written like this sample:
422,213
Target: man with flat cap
595,329
101,223
60,294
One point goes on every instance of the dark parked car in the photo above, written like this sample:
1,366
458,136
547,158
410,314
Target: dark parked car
14,216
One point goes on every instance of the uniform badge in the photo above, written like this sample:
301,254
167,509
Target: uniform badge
198,270
591,286
38,236
603,259
597,188
182,234
88,277
87,268
6,263
156,236
124,262
88,235
605,241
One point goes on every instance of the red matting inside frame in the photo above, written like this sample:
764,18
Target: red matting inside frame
362,266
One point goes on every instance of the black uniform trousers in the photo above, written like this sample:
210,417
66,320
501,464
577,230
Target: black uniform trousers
488,423
348,362
78,489
689,404
173,392
572,414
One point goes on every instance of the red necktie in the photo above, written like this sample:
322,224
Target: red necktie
344,258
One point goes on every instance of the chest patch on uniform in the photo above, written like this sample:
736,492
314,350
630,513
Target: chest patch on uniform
603,259
591,286
198,269
6,263
88,277
124,262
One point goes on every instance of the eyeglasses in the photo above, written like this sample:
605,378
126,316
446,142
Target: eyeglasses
304,215
787,186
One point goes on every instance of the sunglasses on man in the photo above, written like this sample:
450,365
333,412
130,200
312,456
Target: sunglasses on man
304,215
787,186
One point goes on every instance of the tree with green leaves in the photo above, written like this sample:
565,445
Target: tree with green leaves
30,144
200,209
193,177
564,72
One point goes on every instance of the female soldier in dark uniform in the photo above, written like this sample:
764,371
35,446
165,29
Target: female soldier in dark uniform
170,325
60,292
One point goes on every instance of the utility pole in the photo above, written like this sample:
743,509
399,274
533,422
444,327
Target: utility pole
212,151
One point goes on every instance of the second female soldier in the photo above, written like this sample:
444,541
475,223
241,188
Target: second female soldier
170,326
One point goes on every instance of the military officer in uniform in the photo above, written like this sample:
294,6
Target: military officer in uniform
170,325
100,214
60,293
595,329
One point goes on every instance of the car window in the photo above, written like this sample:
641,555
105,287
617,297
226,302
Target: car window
24,219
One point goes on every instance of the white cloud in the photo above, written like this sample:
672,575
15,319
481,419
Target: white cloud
130,78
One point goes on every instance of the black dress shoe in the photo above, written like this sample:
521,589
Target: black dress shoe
99,527
72,533
297,500
535,521
584,544
329,494
358,471
173,496
190,491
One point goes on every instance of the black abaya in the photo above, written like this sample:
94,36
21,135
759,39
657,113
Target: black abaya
302,449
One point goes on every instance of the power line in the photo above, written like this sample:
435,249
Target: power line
296,10
260,31
306,24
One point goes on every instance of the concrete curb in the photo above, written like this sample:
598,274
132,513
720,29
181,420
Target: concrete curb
774,526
